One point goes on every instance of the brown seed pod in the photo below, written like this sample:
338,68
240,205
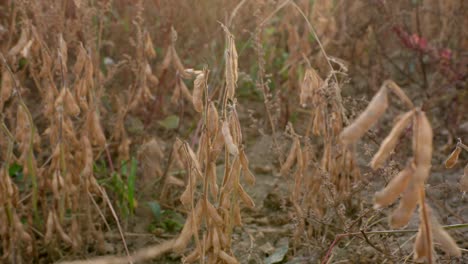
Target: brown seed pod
291,158
310,84
443,238
227,258
237,215
319,123
149,48
212,120
423,245
230,181
167,59
192,257
61,232
191,226
197,96
80,60
63,53
218,145
232,148
211,171
248,175
22,41
366,119
235,127
71,107
95,129
399,92
245,197
396,186
231,68
175,181
151,78
187,195
390,141
49,229
402,214
202,149
215,241
453,158
178,64
422,141
213,213
192,159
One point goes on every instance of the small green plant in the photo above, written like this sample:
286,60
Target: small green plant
122,184
165,220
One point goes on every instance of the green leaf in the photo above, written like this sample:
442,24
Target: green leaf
170,122
155,209
22,63
279,254
16,171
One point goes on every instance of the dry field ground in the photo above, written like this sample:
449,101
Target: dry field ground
233,131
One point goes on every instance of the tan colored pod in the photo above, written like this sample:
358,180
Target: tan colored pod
191,226
402,214
369,117
422,250
245,197
70,104
227,258
197,95
232,148
422,141
310,84
248,175
399,92
213,213
444,240
395,187
212,120
291,158
453,158
389,143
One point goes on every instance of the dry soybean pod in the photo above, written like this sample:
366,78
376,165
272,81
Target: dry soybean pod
369,117
396,186
390,141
